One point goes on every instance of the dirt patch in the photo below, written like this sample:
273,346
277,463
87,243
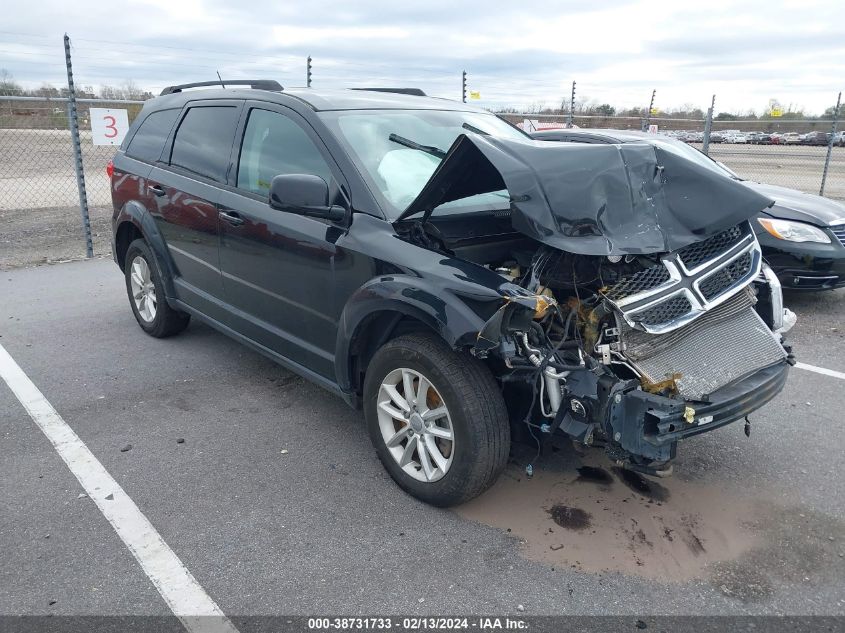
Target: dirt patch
594,475
673,531
669,531
641,485
569,518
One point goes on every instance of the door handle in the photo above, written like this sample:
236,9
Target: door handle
232,217
157,189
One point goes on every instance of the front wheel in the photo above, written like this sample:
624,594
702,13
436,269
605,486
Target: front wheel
436,418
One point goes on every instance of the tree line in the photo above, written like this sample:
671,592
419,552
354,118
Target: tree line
128,90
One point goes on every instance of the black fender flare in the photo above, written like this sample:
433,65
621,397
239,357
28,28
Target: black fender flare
137,215
405,295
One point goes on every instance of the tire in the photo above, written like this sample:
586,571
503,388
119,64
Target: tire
475,413
152,311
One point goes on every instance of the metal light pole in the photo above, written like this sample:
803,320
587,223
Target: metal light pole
308,73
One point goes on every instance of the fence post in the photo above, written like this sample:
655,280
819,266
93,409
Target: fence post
308,72
464,86
571,106
708,126
77,152
830,142
647,121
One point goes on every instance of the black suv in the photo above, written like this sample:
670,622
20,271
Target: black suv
461,282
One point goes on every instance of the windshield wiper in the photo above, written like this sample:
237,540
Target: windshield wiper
428,149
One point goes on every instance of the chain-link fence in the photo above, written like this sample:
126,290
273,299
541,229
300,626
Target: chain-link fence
39,195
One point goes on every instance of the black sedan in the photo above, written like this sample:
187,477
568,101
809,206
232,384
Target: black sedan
802,235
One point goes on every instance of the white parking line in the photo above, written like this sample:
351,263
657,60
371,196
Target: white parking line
821,370
183,594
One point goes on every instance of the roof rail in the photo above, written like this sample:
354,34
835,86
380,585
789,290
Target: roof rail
416,92
258,84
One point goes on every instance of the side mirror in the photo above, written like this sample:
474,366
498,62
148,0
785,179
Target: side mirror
305,194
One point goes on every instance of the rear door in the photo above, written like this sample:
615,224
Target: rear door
187,190
278,266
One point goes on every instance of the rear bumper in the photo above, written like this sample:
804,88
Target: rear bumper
649,425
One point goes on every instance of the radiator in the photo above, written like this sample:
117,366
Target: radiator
724,344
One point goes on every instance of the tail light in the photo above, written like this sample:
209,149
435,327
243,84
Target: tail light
110,169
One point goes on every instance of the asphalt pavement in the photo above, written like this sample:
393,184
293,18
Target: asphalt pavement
275,501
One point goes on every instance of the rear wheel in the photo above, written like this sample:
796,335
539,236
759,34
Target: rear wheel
436,418
146,294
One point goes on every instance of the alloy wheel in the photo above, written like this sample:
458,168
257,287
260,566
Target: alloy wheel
415,425
143,289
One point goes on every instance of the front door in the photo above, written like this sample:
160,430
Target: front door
277,267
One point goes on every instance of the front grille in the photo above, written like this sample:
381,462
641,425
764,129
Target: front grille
665,312
839,232
641,281
727,343
723,279
699,252
689,281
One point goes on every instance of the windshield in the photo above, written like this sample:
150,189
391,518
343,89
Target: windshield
397,151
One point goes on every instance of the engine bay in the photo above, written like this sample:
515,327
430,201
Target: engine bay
627,352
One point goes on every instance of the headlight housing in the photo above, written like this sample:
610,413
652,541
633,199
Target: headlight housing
793,231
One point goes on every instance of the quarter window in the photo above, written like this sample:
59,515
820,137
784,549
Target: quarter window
149,140
274,144
204,140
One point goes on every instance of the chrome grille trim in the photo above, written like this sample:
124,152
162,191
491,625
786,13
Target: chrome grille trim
686,283
839,232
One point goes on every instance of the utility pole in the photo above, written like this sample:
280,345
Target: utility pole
708,126
830,142
308,73
571,105
464,87
648,114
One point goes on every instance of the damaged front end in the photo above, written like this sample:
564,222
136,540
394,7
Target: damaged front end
637,381
644,314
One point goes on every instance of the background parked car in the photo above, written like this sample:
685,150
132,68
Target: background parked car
790,138
760,138
802,235
839,139
816,138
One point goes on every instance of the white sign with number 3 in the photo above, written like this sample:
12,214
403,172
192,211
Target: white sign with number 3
108,125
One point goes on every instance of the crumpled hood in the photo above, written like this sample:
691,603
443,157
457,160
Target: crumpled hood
593,199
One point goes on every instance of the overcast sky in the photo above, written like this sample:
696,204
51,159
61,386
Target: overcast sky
515,53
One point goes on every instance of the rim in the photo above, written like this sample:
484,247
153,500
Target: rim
143,289
415,425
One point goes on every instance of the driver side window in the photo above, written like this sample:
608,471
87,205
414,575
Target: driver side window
275,144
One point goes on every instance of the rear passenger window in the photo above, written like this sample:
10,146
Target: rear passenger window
273,145
204,140
149,140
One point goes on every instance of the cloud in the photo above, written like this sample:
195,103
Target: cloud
746,51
